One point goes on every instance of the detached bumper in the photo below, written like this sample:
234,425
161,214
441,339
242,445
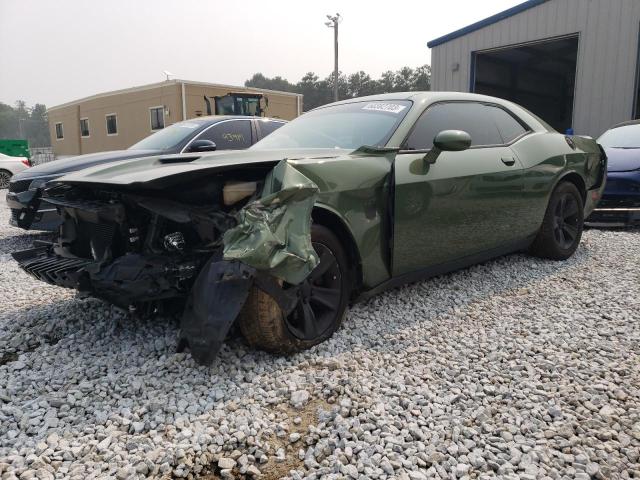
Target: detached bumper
40,262
128,280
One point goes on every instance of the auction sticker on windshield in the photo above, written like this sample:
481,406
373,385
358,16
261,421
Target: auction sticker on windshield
384,107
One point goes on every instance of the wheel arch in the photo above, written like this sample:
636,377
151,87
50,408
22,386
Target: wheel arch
577,180
325,216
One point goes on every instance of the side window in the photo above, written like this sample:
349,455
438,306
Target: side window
84,127
467,116
112,124
268,126
509,127
232,135
157,118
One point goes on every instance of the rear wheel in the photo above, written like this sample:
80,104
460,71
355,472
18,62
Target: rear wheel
5,178
322,301
562,226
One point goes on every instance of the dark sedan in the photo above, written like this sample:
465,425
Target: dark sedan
620,203
201,134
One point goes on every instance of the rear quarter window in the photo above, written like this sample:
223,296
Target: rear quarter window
508,126
268,126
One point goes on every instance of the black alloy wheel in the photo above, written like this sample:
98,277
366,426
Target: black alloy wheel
5,178
319,298
566,221
322,300
561,229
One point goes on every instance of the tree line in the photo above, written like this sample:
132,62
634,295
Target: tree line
25,123
318,91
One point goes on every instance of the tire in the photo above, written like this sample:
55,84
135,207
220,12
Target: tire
5,178
561,230
265,326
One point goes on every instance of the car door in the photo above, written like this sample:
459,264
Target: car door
229,134
466,202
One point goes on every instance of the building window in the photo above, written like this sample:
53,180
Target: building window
59,131
157,118
84,127
112,124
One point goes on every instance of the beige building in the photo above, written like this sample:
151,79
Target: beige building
116,120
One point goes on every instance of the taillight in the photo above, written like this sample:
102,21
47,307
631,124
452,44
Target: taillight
26,162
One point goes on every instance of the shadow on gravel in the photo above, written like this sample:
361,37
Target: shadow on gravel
23,241
27,329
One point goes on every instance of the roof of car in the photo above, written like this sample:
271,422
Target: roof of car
625,124
418,96
218,118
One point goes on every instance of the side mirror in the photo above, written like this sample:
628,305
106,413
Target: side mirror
202,146
448,141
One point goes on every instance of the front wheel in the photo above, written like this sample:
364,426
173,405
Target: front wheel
562,226
322,301
5,178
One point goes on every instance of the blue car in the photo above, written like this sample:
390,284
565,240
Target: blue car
620,203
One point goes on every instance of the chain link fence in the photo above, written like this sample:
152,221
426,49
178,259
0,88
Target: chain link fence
41,155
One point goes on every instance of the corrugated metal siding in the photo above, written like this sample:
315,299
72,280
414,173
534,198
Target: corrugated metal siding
607,54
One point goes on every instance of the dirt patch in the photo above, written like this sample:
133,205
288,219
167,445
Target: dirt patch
308,415
273,470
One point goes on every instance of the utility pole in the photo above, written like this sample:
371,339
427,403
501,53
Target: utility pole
333,23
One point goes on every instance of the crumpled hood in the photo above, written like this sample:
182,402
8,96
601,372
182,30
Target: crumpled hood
623,159
161,167
72,164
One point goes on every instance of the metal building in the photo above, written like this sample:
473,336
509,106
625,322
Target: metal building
575,63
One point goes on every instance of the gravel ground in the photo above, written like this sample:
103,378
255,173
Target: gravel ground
518,368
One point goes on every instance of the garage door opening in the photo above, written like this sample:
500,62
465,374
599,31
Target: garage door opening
539,76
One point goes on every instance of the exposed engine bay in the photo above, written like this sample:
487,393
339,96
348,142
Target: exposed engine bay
193,249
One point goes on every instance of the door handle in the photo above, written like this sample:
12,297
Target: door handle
508,161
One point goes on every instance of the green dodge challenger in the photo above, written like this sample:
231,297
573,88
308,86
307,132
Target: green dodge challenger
341,203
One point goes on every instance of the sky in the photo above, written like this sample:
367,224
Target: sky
54,51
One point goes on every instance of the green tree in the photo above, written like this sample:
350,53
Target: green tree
360,84
313,91
387,82
22,122
37,129
343,87
403,80
421,80
276,83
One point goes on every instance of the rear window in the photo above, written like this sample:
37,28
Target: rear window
621,137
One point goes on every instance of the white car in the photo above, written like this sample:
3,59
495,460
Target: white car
9,166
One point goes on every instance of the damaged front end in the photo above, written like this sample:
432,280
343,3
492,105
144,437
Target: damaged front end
193,249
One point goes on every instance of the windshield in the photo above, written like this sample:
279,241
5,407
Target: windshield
621,137
168,137
350,125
